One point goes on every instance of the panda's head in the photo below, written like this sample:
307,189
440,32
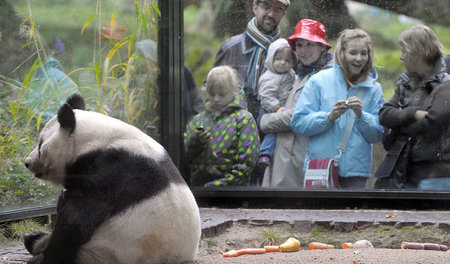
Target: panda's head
75,132
47,160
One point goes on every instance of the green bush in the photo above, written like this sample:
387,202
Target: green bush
113,78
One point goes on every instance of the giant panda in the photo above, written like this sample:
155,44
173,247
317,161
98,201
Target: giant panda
123,199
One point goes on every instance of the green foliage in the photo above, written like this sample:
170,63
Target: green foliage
318,231
19,229
389,67
3,239
17,187
408,229
384,229
444,37
112,75
199,55
11,234
385,31
270,237
323,235
210,242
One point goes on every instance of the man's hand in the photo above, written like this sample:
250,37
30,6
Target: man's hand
419,114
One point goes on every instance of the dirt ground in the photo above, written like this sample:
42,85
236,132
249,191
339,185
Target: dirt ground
385,239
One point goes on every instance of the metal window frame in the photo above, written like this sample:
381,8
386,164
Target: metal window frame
171,61
233,197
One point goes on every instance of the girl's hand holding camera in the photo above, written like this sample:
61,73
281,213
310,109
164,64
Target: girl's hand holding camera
203,136
341,106
338,109
355,104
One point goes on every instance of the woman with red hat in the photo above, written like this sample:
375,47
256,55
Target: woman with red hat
286,170
338,110
312,49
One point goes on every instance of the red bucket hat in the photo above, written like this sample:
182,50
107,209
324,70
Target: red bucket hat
310,30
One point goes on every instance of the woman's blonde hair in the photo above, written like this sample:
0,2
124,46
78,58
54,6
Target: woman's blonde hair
224,78
421,41
345,37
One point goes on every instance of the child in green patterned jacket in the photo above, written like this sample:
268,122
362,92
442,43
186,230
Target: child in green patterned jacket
222,142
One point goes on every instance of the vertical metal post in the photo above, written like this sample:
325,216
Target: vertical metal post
171,61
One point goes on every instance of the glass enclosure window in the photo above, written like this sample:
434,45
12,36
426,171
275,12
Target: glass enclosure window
104,50
209,23
107,50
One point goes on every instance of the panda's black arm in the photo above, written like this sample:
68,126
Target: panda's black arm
63,245
78,217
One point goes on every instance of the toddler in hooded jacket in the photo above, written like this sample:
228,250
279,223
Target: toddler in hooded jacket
274,87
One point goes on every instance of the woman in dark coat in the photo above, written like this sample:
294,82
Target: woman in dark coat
417,114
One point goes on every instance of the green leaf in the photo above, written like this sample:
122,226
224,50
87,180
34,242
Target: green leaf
87,23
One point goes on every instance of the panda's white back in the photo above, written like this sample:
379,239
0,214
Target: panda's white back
151,232
97,131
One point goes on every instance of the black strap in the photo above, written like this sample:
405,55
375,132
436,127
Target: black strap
404,93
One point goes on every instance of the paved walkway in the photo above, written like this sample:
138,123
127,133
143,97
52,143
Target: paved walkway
215,221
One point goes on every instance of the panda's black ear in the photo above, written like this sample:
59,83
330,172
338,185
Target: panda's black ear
76,101
66,117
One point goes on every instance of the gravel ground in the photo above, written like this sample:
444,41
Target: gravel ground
366,256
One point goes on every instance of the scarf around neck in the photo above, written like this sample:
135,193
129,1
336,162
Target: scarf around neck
256,63
303,70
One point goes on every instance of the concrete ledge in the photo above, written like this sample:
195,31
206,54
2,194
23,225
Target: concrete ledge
215,221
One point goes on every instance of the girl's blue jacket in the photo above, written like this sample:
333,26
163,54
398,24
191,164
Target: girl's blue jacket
310,119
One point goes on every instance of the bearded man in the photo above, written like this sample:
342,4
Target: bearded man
246,52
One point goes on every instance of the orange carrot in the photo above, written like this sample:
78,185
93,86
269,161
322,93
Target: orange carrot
347,245
244,251
231,253
317,245
251,251
272,248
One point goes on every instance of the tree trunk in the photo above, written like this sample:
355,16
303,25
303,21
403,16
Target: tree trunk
333,14
430,11
233,16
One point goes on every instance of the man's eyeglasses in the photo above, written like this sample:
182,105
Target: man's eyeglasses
276,10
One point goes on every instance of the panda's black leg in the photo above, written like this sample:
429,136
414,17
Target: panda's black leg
36,259
36,242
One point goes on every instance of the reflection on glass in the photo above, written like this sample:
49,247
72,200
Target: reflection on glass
420,144
221,142
204,36
50,49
